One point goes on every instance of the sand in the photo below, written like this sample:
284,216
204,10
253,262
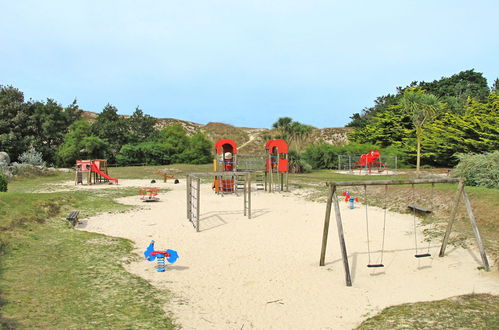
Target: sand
263,273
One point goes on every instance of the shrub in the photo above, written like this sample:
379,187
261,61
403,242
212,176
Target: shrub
3,182
479,169
297,164
32,157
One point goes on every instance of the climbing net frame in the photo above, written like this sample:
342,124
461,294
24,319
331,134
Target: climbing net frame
193,198
333,199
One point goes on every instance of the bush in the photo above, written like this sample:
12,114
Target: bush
479,169
297,164
32,157
3,182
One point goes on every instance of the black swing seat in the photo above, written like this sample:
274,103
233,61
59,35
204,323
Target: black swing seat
422,255
375,265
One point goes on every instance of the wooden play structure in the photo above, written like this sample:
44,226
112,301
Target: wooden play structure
276,166
367,161
193,198
419,252
165,176
92,172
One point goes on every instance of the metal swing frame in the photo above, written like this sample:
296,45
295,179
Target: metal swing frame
333,199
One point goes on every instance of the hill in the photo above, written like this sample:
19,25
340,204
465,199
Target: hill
248,140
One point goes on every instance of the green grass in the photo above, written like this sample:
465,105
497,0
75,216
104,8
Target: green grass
52,276
474,311
148,172
31,183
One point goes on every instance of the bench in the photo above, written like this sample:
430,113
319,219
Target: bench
73,217
418,208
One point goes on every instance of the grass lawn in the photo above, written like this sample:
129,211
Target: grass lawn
52,276
474,311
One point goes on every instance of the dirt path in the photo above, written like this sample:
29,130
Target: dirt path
263,273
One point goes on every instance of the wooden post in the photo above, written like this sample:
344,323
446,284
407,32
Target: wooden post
265,179
271,179
326,224
249,195
245,192
189,198
198,193
460,189
341,236
479,242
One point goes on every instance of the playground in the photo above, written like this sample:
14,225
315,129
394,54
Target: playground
263,272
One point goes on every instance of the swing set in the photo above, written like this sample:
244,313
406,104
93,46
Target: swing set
419,252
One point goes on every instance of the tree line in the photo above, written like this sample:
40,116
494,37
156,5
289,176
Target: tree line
434,121
62,136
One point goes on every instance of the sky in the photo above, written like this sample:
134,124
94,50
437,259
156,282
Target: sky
244,63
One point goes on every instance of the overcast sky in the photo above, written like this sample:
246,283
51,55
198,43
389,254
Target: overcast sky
244,63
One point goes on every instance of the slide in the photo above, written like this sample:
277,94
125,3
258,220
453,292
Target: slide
96,170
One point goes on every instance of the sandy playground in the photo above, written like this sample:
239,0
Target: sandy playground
263,273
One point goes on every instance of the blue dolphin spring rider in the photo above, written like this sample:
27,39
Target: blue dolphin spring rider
170,255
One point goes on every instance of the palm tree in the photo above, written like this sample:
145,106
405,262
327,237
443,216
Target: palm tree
283,125
422,108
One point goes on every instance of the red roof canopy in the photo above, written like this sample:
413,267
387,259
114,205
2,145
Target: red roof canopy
280,144
219,146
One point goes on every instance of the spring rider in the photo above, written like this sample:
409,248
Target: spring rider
170,255
350,199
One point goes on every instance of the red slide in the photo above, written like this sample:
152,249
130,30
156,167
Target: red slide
94,168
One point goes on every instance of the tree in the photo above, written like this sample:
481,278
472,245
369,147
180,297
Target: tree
79,143
299,133
140,126
283,125
49,123
422,108
15,134
112,128
495,86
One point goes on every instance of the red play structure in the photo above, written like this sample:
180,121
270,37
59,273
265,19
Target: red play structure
225,161
277,162
95,170
367,161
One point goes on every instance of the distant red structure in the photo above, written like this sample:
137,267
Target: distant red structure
277,162
225,161
367,161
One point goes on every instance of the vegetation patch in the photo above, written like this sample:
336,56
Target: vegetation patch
52,276
474,311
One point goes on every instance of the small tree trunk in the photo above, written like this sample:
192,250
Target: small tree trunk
418,157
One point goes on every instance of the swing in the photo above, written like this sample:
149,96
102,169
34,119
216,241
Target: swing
380,264
427,254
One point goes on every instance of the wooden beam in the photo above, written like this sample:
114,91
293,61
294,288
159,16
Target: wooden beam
393,182
479,242
341,236
460,189
326,224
